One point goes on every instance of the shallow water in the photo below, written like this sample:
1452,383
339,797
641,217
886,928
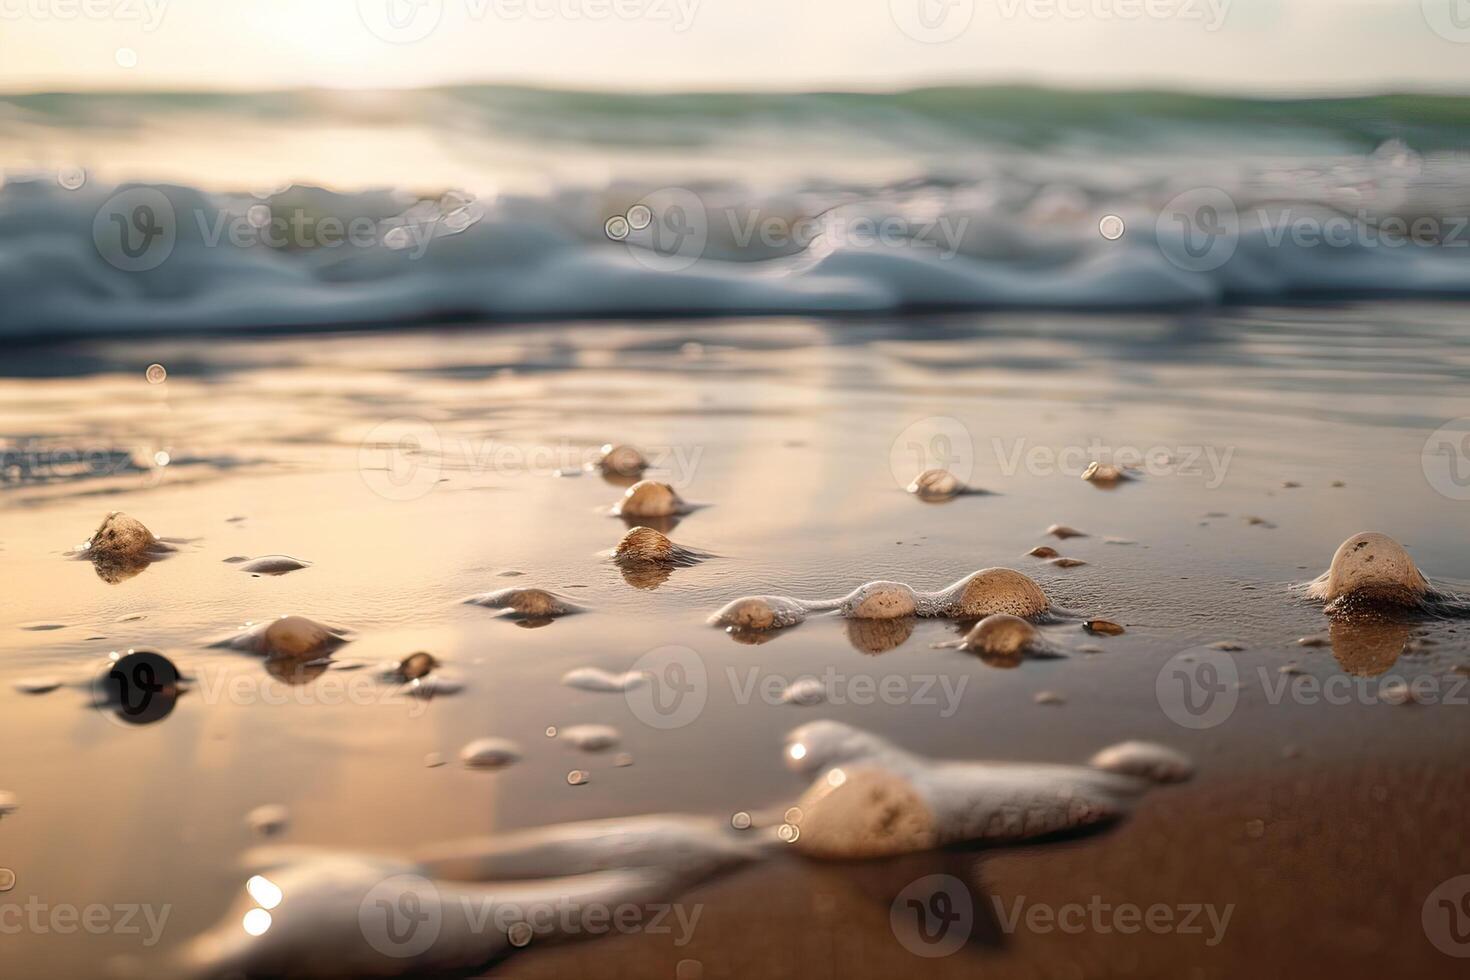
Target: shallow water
797,439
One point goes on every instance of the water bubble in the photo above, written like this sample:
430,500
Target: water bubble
256,922
161,458
1111,227
740,821
617,227
551,731
640,216
789,833
267,893
156,374
71,178
126,58
258,215
519,934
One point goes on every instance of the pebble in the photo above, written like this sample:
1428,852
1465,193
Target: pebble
592,738
268,820
434,760
650,498
1105,473
578,777
1373,569
623,760
1229,645
273,565
936,485
1064,532
1049,697
525,602
295,637
805,691
762,612
1067,562
644,544
1043,551
1315,640
37,685
1002,635
416,665
1103,627
1145,760
619,460
490,753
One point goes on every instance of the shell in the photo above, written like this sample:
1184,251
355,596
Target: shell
1104,473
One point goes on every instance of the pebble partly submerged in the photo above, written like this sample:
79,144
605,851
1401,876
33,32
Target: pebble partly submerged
620,460
287,636
525,602
592,738
1370,570
490,753
650,498
990,590
933,486
1005,636
273,565
644,546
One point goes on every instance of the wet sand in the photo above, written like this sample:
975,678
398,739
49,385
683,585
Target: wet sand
793,439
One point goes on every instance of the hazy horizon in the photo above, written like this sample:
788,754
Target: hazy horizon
1238,47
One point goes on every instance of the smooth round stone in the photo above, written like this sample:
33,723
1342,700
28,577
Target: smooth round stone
273,565
996,590
526,602
416,665
936,485
762,612
620,460
880,600
649,498
863,812
1145,760
644,544
490,753
297,636
1002,635
1372,568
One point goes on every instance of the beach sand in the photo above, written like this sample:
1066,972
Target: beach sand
415,469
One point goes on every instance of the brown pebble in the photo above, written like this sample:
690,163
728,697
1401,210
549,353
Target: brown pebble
1103,627
1063,531
1043,551
1067,562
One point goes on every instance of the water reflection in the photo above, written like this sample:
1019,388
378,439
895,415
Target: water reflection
875,636
1368,646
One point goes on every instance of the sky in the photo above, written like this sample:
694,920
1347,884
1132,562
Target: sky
1248,46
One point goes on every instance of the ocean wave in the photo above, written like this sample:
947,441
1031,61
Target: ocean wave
1360,197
